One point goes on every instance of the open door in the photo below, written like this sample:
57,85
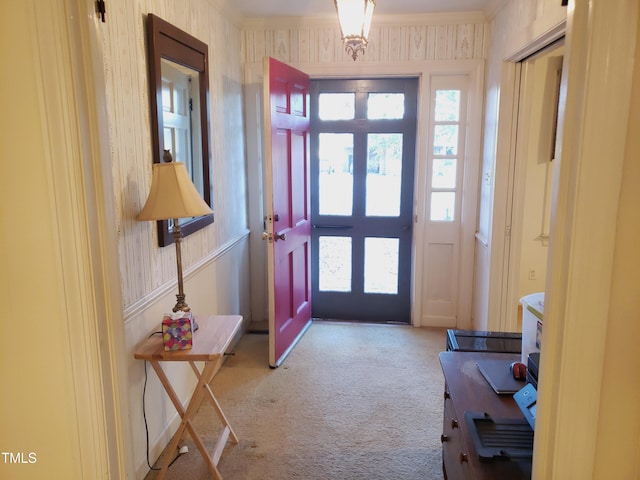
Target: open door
287,223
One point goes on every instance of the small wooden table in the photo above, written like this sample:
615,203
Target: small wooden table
210,341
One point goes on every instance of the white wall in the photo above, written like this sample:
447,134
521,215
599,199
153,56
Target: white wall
621,392
519,28
533,174
593,286
37,341
60,415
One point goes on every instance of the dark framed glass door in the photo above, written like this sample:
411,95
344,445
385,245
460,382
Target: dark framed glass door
362,175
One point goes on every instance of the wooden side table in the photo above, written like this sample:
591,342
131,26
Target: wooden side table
210,341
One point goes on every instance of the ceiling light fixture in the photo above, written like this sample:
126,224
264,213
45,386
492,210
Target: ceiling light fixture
355,22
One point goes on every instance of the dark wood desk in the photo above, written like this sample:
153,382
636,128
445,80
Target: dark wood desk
466,390
210,342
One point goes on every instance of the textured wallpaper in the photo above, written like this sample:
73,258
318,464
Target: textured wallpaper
392,39
144,266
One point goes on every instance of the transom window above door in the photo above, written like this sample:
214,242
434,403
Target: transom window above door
341,106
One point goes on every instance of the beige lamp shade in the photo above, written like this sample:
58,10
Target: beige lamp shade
173,194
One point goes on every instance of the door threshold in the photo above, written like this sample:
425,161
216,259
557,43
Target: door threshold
361,322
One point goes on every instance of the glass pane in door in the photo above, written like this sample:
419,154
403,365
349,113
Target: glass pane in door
385,105
447,106
381,265
336,106
335,264
445,140
384,174
444,173
442,206
335,195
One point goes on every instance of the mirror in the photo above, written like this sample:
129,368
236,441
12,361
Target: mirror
179,93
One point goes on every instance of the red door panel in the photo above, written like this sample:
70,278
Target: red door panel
287,184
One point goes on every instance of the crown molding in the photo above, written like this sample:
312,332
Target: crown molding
254,23
493,7
227,8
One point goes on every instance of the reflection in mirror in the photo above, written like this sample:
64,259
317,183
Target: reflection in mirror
179,90
180,114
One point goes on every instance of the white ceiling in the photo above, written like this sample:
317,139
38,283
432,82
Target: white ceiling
302,8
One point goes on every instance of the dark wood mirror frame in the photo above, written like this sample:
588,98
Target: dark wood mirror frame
165,41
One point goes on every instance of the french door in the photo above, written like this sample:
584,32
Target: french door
362,175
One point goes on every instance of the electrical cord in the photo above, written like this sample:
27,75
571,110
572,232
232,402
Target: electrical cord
144,415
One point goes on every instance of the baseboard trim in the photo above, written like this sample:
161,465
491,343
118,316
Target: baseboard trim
440,322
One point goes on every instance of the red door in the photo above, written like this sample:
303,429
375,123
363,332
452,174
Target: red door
288,225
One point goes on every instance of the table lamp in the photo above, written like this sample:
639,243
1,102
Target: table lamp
173,195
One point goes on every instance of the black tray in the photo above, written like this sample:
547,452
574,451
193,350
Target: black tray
482,341
500,439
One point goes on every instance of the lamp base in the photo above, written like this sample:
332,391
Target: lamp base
181,306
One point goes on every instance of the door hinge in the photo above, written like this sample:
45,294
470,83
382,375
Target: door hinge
101,9
507,231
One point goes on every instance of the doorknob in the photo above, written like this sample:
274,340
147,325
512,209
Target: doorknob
272,238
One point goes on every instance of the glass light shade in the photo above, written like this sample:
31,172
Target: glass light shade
355,23
172,195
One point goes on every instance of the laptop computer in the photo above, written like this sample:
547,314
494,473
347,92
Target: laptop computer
498,375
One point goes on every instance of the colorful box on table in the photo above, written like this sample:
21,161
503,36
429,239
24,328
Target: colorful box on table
177,331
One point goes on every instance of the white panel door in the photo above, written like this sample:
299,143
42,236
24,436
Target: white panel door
445,177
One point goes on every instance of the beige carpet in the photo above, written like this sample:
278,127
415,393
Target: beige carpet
352,401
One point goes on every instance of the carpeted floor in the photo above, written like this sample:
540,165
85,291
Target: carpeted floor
352,401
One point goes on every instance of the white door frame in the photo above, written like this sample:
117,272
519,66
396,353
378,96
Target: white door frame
502,308
516,184
75,130
580,330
